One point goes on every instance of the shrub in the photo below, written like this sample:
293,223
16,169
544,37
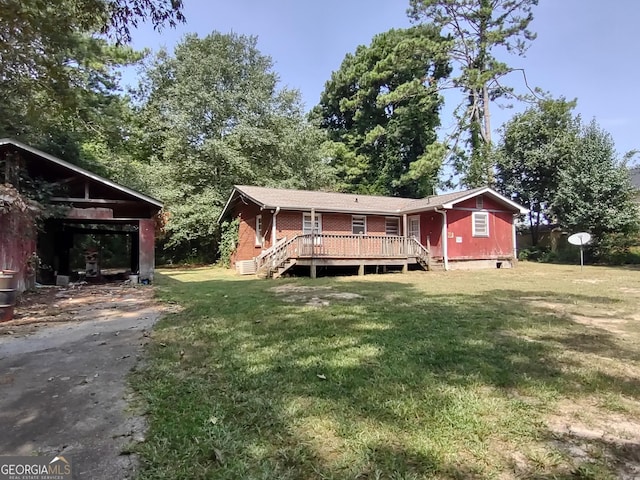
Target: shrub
228,240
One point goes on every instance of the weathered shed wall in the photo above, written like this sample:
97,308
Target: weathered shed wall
17,246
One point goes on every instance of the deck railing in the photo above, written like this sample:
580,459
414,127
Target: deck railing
341,246
352,246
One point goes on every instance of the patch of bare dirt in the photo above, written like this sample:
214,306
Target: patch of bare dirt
613,325
635,291
582,430
610,320
77,303
312,296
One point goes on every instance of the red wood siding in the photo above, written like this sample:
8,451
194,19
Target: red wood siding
488,203
431,226
499,243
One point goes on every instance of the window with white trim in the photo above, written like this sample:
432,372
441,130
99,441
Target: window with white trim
392,226
480,224
306,224
359,225
259,236
479,202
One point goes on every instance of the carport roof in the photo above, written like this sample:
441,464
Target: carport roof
6,143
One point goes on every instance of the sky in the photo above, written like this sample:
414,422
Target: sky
585,49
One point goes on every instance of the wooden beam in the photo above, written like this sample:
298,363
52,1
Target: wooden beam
97,201
353,262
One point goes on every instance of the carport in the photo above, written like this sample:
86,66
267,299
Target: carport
89,204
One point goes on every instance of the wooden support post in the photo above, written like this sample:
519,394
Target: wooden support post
135,252
405,267
361,269
313,272
146,244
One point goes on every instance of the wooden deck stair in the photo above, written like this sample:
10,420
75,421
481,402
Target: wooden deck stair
284,266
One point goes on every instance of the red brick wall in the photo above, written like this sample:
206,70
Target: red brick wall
289,224
247,248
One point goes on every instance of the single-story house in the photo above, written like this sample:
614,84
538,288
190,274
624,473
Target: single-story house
87,204
283,228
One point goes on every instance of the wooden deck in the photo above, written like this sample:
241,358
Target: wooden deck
315,250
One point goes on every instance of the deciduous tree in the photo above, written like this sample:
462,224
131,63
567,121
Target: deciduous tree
58,71
594,191
212,115
535,146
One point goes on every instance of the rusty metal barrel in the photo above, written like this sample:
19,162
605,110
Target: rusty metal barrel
8,284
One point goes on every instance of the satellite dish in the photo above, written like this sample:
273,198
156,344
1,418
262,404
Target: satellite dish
582,238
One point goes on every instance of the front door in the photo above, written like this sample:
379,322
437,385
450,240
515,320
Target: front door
414,227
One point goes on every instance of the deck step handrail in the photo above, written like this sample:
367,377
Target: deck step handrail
265,253
419,250
275,255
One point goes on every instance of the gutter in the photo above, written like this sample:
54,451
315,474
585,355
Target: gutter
274,226
445,241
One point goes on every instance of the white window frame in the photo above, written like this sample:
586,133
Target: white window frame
306,220
479,202
362,219
475,215
259,236
386,227
410,219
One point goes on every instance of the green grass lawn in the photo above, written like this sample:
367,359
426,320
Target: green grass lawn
532,372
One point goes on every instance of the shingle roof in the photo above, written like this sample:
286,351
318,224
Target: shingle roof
353,203
327,201
436,201
635,177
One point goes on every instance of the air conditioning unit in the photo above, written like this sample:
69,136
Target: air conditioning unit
246,267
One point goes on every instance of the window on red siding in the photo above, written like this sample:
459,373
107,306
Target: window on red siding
479,202
480,224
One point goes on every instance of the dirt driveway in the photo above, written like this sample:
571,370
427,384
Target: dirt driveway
63,367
